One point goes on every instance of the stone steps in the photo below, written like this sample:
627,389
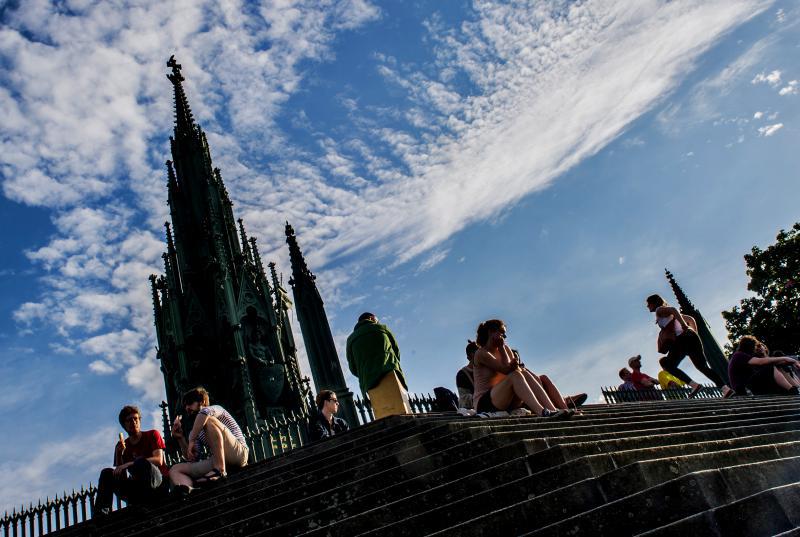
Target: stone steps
507,476
584,478
775,511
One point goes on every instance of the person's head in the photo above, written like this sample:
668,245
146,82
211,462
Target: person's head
195,399
747,344
491,332
635,362
654,302
761,350
778,353
471,348
131,419
327,400
625,374
367,316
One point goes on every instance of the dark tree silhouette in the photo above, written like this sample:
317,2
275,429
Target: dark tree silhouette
774,313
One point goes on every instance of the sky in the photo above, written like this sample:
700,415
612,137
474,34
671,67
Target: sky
441,162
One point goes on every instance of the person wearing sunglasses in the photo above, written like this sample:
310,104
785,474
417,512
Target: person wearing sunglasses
324,423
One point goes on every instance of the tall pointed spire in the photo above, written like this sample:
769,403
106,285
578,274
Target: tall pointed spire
683,300
299,266
184,121
245,242
320,348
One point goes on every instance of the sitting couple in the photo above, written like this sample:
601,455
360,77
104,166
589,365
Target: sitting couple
503,383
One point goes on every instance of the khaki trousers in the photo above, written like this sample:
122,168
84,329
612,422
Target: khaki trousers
389,397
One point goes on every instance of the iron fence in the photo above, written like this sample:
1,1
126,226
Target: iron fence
268,439
614,395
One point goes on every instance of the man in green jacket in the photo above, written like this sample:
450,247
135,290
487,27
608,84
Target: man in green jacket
374,357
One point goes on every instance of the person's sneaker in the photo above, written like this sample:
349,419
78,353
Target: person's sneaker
181,492
576,401
556,414
520,412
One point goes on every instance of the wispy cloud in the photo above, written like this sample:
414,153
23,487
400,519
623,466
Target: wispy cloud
769,130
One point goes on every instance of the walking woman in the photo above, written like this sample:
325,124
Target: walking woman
678,339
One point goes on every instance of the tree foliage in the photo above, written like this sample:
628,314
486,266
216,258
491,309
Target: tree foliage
773,314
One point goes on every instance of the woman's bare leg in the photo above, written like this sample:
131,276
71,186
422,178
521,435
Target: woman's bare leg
178,476
539,389
781,380
552,391
515,384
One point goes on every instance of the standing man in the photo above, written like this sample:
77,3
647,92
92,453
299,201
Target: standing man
325,423
139,467
374,357
215,430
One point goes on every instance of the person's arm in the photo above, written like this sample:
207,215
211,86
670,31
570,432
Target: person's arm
118,450
351,362
770,360
665,311
191,442
393,343
177,434
157,458
487,359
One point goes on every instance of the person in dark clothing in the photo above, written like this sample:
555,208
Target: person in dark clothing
678,338
139,469
465,381
324,423
759,374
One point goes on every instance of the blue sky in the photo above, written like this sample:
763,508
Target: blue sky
442,163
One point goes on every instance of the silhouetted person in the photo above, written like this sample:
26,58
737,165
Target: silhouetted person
465,379
139,467
678,338
374,357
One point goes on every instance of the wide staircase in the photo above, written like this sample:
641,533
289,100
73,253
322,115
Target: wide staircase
709,467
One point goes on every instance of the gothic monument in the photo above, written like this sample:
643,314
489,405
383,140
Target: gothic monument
220,321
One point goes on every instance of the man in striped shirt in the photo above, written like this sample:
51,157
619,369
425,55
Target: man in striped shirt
215,430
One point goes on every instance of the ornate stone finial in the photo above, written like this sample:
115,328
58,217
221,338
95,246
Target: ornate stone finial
683,301
176,69
245,242
184,121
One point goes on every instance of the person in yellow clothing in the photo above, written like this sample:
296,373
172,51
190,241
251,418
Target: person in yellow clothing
667,381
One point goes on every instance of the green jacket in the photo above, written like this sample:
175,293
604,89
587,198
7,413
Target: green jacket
372,352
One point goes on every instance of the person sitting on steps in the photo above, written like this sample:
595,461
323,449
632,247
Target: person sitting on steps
500,382
759,374
678,339
465,383
214,429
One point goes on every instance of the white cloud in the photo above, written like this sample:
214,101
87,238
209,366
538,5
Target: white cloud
758,115
433,259
780,15
773,78
769,130
42,474
789,89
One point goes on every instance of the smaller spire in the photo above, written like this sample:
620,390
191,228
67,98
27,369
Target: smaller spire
683,301
299,267
184,121
170,244
245,244
154,288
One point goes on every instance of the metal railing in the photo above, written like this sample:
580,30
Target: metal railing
269,438
614,395
420,404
